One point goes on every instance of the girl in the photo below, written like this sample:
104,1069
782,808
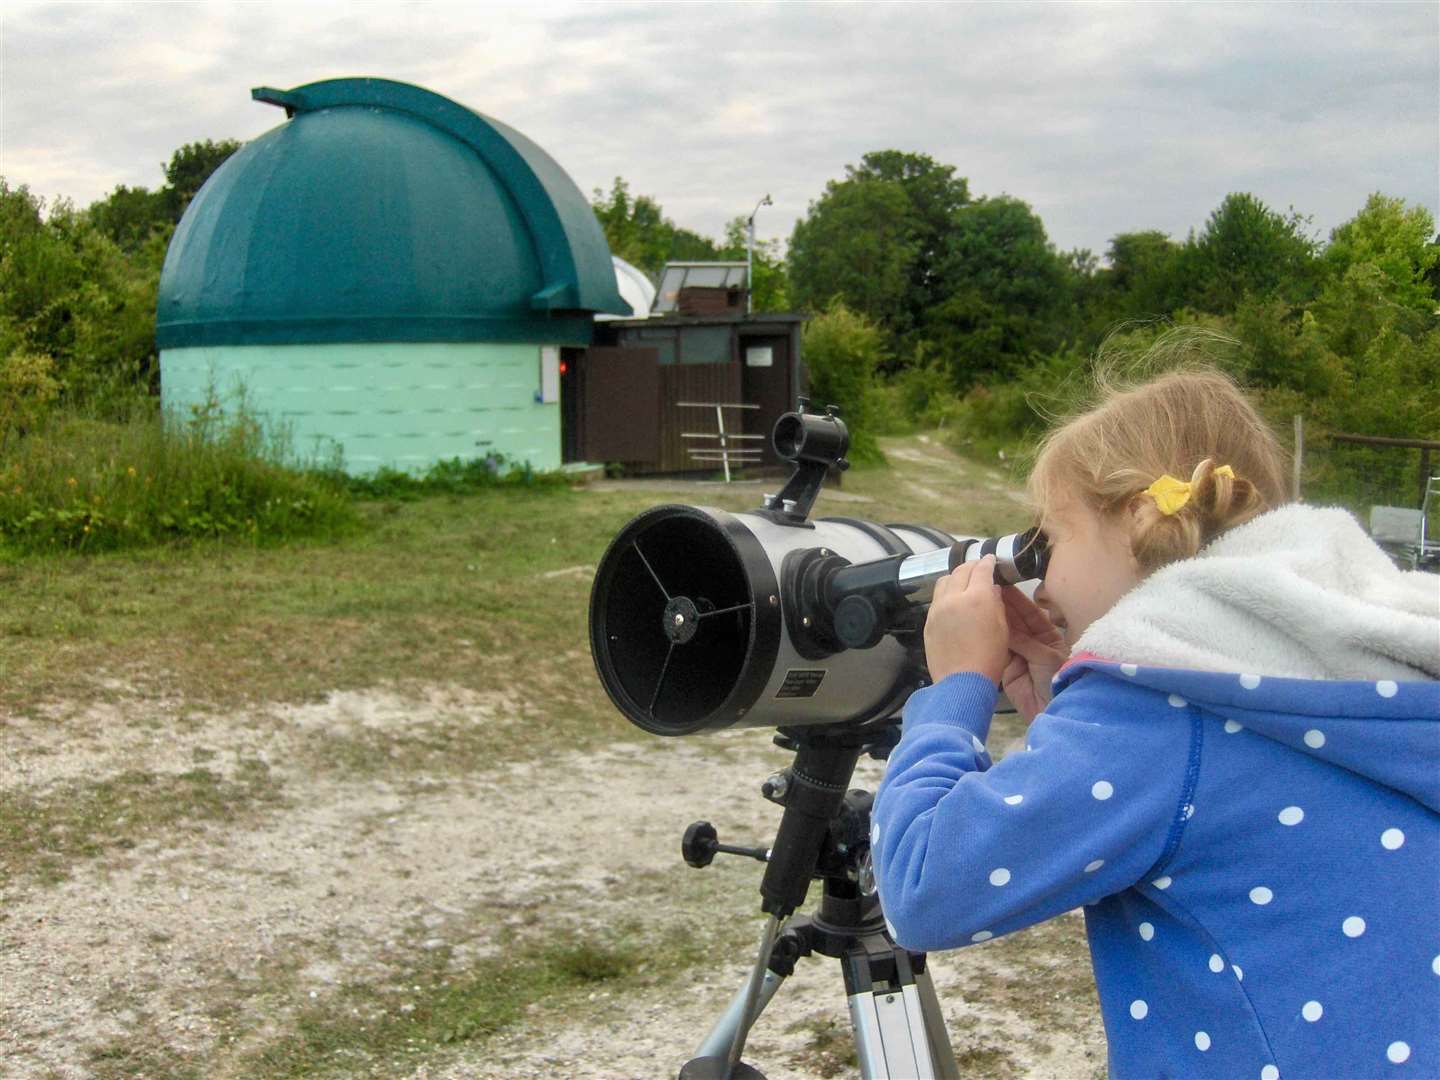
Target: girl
1238,774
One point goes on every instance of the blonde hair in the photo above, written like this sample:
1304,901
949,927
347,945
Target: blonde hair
1185,423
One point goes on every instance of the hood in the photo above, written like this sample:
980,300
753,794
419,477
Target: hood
1297,627
1299,592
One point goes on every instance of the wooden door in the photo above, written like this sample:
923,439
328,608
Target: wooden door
765,381
620,404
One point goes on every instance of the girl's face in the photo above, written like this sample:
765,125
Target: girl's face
1091,567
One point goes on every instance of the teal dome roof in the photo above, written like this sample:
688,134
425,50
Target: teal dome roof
383,212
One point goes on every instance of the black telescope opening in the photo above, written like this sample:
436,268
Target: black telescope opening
676,631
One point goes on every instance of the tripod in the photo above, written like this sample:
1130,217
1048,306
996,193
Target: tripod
825,833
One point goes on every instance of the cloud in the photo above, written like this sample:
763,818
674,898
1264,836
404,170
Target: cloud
1105,118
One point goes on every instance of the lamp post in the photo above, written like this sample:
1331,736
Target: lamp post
750,256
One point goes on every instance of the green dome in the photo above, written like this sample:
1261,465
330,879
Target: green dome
384,212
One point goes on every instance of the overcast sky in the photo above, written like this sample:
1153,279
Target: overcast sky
1106,118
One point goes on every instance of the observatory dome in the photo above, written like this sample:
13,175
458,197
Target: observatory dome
636,289
383,212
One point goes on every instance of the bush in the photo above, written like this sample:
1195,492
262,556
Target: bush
80,483
450,477
843,350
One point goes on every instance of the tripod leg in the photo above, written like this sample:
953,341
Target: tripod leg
898,1032
941,1052
722,1035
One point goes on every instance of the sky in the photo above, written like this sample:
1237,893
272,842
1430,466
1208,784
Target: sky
1105,118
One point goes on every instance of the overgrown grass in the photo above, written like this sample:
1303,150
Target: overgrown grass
91,483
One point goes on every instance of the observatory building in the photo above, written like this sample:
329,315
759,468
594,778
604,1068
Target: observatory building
390,273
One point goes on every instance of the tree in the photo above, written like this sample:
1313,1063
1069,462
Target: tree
875,239
1007,290
770,289
129,216
68,292
1248,249
638,231
1397,240
189,168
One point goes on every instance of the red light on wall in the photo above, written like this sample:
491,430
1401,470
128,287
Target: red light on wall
564,367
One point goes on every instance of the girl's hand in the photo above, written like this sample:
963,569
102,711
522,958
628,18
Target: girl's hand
1037,650
966,629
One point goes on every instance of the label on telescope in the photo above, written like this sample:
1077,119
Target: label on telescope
801,682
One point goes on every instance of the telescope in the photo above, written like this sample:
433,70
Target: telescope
702,619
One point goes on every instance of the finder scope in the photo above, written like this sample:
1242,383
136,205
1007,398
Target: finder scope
703,619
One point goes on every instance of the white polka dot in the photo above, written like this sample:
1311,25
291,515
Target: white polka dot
1091,867
1239,971
1249,682
1292,815
1202,1041
1162,883
999,876
977,744
1435,964
1386,688
1398,1053
981,935
1261,895
1231,727
1314,738
1391,839
1312,1011
1354,926
1138,1009
1216,964
1189,811
1146,931
1128,669
1177,702
1269,1072
1102,789
1014,800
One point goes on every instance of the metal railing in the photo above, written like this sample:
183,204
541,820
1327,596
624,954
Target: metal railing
728,446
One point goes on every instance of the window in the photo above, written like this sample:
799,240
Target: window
705,345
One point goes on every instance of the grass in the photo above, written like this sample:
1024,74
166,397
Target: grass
464,590
46,835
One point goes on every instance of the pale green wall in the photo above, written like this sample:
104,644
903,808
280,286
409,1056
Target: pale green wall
402,405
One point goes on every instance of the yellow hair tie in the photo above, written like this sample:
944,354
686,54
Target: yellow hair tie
1171,495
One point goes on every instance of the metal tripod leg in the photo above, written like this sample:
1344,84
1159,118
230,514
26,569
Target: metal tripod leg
899,1029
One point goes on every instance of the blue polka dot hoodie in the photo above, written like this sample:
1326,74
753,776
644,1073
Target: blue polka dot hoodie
1238,778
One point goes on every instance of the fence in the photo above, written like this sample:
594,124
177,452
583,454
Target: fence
1361,471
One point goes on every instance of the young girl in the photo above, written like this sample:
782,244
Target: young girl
1238,774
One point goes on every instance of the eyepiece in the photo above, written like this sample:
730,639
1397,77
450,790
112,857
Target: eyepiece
1018,557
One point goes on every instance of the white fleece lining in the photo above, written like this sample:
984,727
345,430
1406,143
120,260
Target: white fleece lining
1298,592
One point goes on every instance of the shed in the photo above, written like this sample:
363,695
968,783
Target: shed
389,272
630,397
